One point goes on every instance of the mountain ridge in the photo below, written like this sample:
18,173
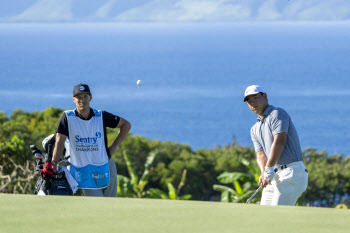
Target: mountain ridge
173,10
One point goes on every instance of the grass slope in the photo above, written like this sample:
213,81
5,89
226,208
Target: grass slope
30,213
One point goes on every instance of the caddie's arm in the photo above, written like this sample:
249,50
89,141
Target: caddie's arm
279,141
124,127
57,151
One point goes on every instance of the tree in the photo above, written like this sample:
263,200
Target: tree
3,118
244,184
13,149
173,194
329,175
135,187
15,178
328,178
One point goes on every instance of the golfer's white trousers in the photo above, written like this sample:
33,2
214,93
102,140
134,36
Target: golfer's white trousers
287,186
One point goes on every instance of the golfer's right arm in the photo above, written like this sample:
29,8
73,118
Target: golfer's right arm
261,159
57,151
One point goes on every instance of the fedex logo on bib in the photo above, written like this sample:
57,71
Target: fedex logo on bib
100,176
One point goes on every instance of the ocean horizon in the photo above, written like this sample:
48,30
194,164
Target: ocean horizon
194,76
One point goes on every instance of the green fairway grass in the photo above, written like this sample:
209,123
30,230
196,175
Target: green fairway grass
73,214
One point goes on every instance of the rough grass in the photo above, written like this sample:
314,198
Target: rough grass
30,213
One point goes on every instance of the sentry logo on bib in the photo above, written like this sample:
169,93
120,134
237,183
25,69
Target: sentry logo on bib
87,143
88,140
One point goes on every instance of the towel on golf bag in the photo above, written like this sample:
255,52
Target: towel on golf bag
71,181
42,185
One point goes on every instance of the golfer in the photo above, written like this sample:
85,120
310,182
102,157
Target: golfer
82,132
284,175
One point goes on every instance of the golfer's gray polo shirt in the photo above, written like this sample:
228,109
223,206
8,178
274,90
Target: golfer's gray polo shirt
276,120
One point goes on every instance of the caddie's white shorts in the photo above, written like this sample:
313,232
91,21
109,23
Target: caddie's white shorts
287,186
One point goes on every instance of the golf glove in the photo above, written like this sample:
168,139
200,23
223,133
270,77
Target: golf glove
47,172
269,173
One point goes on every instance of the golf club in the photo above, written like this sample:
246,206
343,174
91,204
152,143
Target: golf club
39,156
254,194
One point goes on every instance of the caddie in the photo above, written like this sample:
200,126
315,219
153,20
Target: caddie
82,132
284,176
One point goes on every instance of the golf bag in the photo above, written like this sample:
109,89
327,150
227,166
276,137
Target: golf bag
57,186
49,186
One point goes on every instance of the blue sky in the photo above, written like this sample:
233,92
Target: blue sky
173,10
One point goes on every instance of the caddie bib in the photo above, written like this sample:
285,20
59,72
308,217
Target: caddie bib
88,155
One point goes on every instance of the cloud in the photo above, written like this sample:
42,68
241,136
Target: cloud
324,10
187,10
156,10
313,10
213,11
238,10
106,9
196,10
268,11
46,10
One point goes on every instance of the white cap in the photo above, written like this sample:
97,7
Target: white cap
252,90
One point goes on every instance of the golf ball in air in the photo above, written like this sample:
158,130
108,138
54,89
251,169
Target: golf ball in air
139,82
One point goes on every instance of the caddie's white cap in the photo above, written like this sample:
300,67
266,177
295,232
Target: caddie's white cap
252,90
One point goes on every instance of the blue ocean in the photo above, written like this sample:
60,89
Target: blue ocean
194,76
